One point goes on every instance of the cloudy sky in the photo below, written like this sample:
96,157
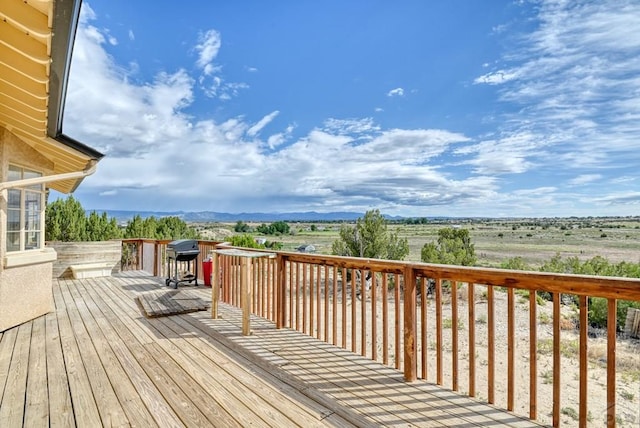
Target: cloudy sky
416,108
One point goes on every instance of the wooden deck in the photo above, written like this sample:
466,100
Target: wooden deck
96,361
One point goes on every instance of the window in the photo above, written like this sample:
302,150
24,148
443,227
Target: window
24,212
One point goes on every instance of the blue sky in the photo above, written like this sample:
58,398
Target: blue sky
416,108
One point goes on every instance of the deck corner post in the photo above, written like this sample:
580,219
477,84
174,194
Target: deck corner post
410,327
215,286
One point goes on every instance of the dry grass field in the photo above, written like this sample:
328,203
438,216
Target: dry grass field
495,240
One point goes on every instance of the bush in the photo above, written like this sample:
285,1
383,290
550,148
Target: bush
598,310
245,240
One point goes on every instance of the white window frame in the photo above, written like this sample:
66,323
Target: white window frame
39,212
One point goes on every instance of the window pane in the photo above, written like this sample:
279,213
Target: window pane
33,239
31,222
32,201
14,198
13,220
15,173
33,174
13,241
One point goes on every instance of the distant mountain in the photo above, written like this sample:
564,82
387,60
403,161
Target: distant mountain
210,216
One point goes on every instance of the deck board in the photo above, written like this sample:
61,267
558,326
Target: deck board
37,408
12,407
97,361
60,407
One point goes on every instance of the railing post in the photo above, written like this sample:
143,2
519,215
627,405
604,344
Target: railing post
281,294
410,349
215,286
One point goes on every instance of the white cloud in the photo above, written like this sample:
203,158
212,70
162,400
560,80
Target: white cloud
619,198
211,82
351,126
584,179
132,36
207,48
496,77
258,126
572,84
276,140
397,92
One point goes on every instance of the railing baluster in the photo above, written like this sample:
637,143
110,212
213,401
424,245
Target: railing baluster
318,302
491,345
533,355
454,335
311,300
344,308
326,303
385,321
511,345
335,305
439,331
584,323
423,329
612,321
293,294
556,360
304,297
374,317
363,314
472,338
396,302
353,310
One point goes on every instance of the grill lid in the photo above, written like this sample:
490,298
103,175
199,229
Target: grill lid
183,245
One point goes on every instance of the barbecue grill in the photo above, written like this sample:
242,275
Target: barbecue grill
182,250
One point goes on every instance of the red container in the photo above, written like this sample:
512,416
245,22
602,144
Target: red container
207,267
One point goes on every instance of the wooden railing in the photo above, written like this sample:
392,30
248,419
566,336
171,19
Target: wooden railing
456,326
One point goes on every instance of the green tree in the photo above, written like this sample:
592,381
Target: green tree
101,228
174,228
65,220
280,227
163,228
135,229
370,238
453,247
241,227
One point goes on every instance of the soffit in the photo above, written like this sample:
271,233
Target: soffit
25,83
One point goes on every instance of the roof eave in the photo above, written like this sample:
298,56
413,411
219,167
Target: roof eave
66,15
